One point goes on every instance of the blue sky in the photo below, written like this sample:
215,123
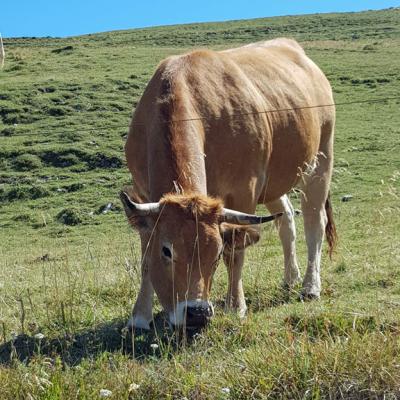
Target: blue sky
74,17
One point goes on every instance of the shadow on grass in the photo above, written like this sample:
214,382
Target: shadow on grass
108,337
276,297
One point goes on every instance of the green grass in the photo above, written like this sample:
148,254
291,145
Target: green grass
70,271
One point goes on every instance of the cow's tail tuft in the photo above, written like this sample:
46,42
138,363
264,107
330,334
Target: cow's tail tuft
330,228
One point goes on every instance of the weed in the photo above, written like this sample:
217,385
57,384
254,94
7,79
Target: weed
70,216
10,131
24,192
27,162
66,49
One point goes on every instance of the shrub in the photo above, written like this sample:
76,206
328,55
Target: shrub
24,192
27,162
105,161
10,131
383,80
20,118
368,47
56,111
74,187
60,158
70,216
66,160
66,49
47,89
70,136
23,218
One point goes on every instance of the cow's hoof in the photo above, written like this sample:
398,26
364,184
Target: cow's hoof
138,322
306,296
242,312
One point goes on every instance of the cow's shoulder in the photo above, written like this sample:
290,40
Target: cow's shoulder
282,43
276,44
173,65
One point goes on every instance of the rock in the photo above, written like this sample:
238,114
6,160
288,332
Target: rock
105,393
107,208
346,198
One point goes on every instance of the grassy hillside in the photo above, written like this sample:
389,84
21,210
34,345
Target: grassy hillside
69,264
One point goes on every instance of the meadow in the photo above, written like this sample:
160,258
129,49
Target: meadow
69,264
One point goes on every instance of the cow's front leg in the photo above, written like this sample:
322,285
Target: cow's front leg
235,300
142,313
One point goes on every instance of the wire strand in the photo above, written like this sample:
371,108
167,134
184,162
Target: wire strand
234,115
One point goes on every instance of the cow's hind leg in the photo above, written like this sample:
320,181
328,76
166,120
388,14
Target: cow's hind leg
287,233
314,199
142,313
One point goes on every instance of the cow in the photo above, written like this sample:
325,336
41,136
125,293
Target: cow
214,134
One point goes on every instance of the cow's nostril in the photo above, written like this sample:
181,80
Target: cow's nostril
198,316
194,311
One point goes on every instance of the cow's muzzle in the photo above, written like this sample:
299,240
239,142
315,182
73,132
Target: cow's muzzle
198,317
192,314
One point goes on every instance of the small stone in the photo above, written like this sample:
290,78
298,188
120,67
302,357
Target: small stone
107,208
105,393
347,197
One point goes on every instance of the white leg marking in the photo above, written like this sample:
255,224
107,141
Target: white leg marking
314,227
287,233
315,192
137,321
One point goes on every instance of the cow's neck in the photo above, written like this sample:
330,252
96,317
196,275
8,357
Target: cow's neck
177,160
176,144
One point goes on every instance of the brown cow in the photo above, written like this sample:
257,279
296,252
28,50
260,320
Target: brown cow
199,133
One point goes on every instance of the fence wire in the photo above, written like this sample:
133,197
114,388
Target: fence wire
202,118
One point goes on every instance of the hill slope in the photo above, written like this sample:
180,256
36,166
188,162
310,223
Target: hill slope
69,265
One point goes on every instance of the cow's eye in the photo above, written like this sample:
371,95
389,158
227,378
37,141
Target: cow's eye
166,252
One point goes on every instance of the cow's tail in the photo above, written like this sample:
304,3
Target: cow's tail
330,228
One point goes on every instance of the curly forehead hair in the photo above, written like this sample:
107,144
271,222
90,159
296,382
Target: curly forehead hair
195,205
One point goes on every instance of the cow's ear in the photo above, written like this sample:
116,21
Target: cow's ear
145,224
141,216
239,236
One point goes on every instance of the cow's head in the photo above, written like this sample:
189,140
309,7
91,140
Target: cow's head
183,237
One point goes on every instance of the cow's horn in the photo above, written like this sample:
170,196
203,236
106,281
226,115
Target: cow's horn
239,218
137,209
